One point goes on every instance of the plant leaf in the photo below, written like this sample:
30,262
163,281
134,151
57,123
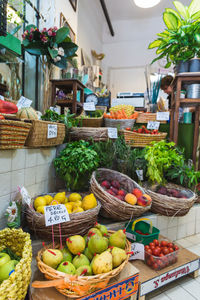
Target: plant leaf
196,15
69,48
170,21
61,34
53,53
194,7
171,10
155,44
168,65
181,9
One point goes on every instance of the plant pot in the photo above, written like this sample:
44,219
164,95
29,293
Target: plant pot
182,67
194,65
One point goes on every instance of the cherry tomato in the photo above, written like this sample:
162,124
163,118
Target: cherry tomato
149,251
165,251
171,250
128,128
152,247
163,243
146,247
155,266
156,242
161,255
176,248
170,245
149,262
156,252
151,244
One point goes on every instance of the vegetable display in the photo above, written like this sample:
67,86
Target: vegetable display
8,107
143,130
120,114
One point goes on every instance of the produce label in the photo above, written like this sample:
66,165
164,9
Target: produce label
55,214
138,251
140,174
55,109
25,196
52,131
2,97
112,133
162,116
23,102
153,125
157,282
121,290
89,106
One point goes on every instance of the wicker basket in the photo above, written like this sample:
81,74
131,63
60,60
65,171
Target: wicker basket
38,134
88,133
135,139
112,207
13,134
171,206
121,123
15,287
74,286
146,117
92,122
79,223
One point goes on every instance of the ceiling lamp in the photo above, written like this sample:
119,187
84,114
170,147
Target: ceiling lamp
146,3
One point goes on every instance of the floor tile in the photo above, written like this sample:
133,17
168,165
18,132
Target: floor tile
160,297
184,243
193,239
192,287
195,249
179,293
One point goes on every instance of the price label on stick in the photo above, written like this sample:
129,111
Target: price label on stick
138,251
56,214
153,125
89,106
52,131
162,116
112,133
140,174
24,102
25,196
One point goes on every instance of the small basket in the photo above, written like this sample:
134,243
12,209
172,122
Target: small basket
135,139
13,134
88,134
38,135
112,207
79,223
92,122
146,117
15,287
133,236
74,286
121,123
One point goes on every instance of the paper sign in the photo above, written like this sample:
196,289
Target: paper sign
140,174
55,214
162,116
25,196
1,97
52,131
112,133
23,102
89,106
138,251
153,125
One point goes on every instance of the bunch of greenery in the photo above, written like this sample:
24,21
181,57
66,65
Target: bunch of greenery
69,119
105,152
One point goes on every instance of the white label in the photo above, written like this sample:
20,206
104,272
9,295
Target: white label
162,116
55,109
25,196
23,102
55,214
157,282
130,236
112,133
138,251
89,106
153,125
1,97
52,131
140,174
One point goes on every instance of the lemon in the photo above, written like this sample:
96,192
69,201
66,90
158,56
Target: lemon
60,197
66,200
48,199
39,201
54,202
68,206
40,209
75,197
77,210
78,203
72,204
89,202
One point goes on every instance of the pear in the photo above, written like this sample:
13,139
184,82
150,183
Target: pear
67,256
118,239
88,253
102,263
92,262
97,244
95,231
102,228
67,267
84,271
118,256
76,244
80,260
52,257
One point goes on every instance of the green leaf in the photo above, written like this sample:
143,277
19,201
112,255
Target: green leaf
36,48
69,48
194,7
170,10
181,9
170,20
61,34
196,15
168,65
28,27
62,64
25,43
53,53
155,44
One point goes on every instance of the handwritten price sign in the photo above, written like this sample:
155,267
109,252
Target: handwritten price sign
24,102
89,106
55,214
112,133
153,125
52,131
138,251
162,116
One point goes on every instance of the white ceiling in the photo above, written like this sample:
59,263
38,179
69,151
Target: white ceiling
126,9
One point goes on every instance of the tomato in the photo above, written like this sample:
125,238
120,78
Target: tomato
2,117
161,255
151,244
149,251
176,248
156,252
156,242
171,250
163,243
149,262
146,247
170,245
155,266
128,128
152,247
165,251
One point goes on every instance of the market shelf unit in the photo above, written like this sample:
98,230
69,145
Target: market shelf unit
186,102
68,86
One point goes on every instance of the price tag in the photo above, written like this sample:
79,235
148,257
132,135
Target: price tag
112,133
138,251
55,214
89,106
25,196
162,116
2,97
153,125
24,102
140,174
52,131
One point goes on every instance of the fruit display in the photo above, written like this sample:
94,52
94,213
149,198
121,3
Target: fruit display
135,197
171,192
7,265
160,254
74,202
120,115
128,109
144,130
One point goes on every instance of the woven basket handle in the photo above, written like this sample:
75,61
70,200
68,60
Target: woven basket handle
46,284
143,219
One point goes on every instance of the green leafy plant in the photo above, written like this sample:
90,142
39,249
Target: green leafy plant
105,152
69,119
75,165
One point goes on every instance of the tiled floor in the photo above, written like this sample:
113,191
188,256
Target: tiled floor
184,288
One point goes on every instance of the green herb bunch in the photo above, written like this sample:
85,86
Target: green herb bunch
69,119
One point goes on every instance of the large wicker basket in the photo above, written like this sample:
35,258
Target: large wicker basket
120,124
79,223
92,122
88,134
135,139
38,134
171,206
112,207
15,287
146,117
13,134
76,286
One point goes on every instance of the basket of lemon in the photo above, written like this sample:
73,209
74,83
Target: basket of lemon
83,210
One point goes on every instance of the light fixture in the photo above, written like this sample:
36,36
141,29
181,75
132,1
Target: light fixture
146,3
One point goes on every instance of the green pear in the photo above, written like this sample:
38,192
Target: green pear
4,258
97,244
118,239
52,257
118,256
6,269
88,253
76,244
67,267
92,262
84,271
80,260
102,228
67,256
102,263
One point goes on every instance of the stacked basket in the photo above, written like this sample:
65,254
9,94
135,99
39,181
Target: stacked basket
92,122
136,139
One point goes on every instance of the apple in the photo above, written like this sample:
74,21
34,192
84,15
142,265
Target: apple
67,267
148,198
4,258
142,201
115,184
122,193
6,269
52,257
111,192
138,193
105,184
67,256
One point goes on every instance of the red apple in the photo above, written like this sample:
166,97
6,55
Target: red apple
111,192
148,198
105,184
137,193
142,201
122,193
